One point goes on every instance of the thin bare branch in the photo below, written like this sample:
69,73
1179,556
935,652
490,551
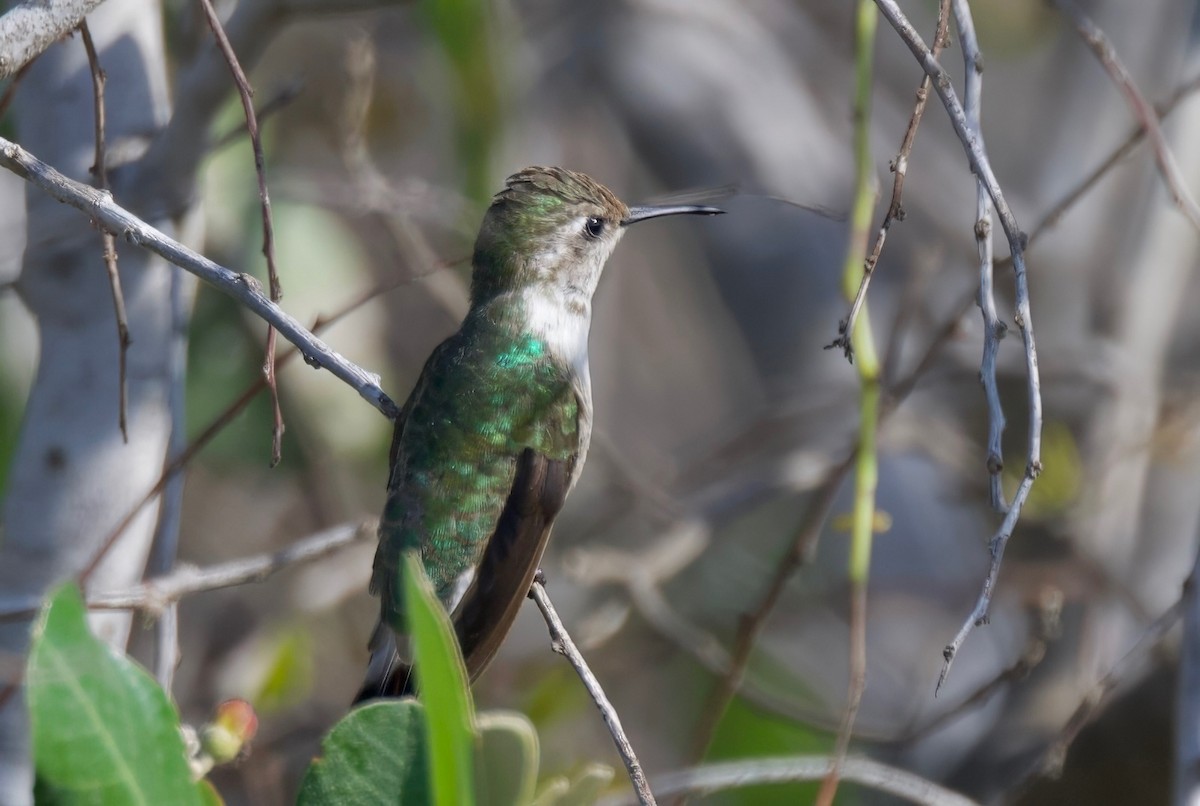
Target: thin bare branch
895,210
993,328
1135,137
154,595
563,645
1142,109
280,100
100,171
260,168
979,614
981,166
241,287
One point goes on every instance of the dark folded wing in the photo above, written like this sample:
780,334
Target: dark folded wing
511,558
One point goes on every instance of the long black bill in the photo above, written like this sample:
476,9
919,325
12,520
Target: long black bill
637,214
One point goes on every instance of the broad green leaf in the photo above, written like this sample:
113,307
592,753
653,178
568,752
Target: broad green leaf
507,763
442,680
103,730
376,755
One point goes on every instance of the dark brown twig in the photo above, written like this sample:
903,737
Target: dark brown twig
100,171
895,210
246,93
1142,109
282,98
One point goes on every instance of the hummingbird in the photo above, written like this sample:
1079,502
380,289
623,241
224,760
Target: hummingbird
495,433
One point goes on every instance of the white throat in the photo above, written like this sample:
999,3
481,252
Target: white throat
562,324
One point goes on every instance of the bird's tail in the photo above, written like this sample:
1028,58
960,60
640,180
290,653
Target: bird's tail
387,674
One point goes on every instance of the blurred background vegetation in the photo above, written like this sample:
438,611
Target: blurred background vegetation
718,413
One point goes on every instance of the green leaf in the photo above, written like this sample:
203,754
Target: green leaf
442,680
103,731
507,762
375,755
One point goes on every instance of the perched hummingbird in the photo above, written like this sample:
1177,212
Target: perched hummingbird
495,433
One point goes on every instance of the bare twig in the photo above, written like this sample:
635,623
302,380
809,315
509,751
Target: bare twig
260,169
1135,137
1142,109
895,210
756,772
29,28
100,171
981,167
993,328
280,100
241,287
154,595
562,644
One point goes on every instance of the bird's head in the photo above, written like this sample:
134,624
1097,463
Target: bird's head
554,228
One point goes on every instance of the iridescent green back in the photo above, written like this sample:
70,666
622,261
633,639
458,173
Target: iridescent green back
486,394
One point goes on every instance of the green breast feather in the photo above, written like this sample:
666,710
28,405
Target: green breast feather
483,397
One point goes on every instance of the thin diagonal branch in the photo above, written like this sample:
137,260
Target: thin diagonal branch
260,168
563,645
1119,153
1142,109
100,171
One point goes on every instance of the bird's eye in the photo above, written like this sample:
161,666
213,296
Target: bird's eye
593,226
